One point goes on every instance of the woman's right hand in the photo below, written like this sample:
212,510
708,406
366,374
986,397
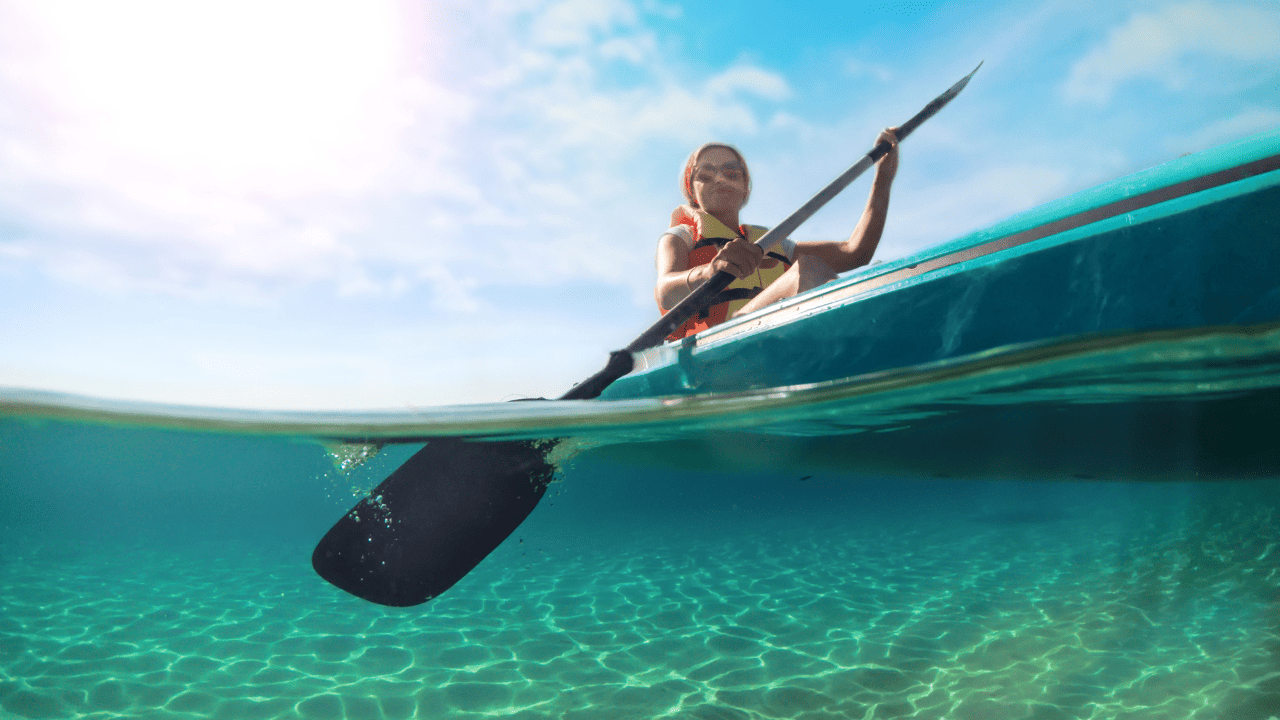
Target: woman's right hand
739,257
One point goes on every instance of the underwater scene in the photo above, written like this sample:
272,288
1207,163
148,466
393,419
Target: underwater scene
1080,530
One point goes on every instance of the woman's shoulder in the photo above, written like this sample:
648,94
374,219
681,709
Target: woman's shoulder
682,233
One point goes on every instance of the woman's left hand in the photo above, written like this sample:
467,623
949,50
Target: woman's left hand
887,167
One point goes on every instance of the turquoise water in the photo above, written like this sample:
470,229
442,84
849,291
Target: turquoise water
1087,530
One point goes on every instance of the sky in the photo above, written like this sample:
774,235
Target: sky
359,204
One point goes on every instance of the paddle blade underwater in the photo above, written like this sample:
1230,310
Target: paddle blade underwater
434,519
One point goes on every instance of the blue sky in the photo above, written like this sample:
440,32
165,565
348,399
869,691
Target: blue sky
332,204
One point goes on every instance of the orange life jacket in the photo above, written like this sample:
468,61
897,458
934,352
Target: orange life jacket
709,235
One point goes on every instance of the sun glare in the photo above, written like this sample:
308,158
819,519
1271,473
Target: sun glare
273,95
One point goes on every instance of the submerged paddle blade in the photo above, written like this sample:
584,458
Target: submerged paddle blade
434,519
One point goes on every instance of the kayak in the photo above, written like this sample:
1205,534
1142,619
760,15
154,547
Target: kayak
1191,244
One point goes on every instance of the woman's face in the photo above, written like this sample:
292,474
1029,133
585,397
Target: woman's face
719,182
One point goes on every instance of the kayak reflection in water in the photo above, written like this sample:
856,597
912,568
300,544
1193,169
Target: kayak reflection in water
706,237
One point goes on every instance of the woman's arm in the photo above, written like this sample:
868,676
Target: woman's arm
676,280
861,245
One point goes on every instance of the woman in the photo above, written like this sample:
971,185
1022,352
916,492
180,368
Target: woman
707,237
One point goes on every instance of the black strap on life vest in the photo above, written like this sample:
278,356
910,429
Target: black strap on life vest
718,242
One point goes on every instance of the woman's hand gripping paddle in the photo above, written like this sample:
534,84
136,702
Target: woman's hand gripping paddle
449,505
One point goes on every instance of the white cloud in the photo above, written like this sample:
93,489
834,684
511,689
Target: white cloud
1246,122
783,120
668,11
946,210
749,79
468,149
632,49
876,71
1160,46
15,251
579,22
452,292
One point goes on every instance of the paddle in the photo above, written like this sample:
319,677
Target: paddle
450,504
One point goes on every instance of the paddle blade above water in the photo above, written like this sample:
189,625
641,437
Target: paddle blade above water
434,519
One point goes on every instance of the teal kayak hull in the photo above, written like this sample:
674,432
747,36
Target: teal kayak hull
1193,243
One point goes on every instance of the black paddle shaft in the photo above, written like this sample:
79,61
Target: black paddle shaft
455,500
621,362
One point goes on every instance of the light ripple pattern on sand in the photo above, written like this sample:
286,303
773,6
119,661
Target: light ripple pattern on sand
983,616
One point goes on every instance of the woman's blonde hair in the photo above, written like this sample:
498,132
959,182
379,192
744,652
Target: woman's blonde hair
686,178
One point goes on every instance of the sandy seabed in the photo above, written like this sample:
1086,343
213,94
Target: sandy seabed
980,619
